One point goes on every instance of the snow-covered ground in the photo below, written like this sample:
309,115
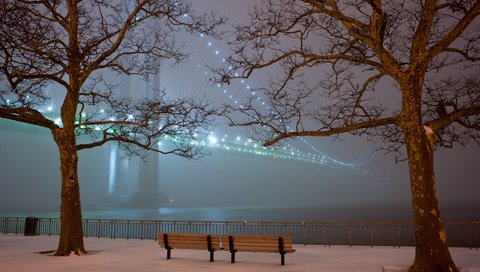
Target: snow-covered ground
20,253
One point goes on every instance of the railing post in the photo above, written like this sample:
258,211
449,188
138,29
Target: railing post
324,227
371,235
304,233
477,244
6,225
127,229
98,228
49,226
16,227
393,235
112,232
349,227
470,234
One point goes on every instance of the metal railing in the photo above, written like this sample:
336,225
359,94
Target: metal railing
459,234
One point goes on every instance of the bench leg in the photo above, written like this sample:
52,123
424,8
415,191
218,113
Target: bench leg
169,250
211,256
232,259
283,259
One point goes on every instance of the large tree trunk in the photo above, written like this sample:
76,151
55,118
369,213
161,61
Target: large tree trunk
71,233
431,248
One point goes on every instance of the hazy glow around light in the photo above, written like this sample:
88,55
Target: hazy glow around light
212,140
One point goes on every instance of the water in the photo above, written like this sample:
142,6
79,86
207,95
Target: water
268,213
245,213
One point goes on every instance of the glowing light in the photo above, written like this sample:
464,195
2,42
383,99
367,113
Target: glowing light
50,108
212,140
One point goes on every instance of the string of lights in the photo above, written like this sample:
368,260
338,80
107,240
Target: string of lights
315,155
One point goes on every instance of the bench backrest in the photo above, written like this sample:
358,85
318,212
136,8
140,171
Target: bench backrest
257,243
188,240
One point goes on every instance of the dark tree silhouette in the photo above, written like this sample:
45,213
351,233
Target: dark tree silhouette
69,44
403,71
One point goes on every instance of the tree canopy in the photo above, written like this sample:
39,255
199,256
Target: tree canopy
404,72
77,48
342,61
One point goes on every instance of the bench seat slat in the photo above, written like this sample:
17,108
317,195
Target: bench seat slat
189,246
187,240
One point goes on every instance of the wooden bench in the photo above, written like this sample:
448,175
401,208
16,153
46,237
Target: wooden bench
255,243
171,241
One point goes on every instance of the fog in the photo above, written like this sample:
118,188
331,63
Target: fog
30,181
30,178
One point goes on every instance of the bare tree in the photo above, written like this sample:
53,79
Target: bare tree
69,44
402,71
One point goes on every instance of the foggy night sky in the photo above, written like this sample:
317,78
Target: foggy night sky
29,167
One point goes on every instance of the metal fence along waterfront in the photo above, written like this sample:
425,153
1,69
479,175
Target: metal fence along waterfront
396,234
